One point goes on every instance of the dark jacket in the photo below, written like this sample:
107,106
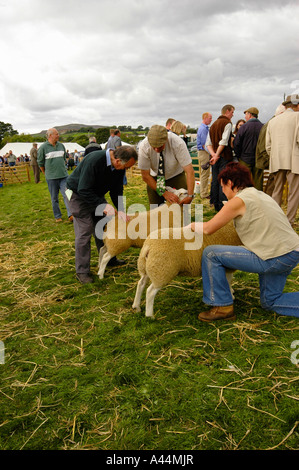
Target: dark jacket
246,140
92,148
93,178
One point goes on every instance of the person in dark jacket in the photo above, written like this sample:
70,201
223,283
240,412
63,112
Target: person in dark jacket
246,140
99,172
92,146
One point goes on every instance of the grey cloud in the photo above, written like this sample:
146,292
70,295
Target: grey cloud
139,62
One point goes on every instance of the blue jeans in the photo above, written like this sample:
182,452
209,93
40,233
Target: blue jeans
54,187
272,277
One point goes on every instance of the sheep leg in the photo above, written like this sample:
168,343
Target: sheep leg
103,250
150,297
229,276
104,261
140,288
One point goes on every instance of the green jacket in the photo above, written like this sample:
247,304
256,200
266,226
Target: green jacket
53,159
95,177
261,155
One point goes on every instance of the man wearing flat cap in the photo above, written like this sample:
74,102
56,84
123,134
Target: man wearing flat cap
164,160
282,145
246,141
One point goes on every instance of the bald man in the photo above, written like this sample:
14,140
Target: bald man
51,158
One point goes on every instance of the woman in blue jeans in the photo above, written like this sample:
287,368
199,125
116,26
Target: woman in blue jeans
270,248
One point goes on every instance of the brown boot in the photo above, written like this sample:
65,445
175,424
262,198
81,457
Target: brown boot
218,313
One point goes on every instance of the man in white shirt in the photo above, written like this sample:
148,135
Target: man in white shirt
218,145
165,155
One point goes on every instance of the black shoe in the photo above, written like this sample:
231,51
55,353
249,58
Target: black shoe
84,278
115,262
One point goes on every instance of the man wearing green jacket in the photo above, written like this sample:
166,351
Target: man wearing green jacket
100,172
51,158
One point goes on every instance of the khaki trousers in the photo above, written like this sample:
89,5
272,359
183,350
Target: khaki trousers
203,158
280,178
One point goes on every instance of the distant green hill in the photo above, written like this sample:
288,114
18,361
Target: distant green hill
71,128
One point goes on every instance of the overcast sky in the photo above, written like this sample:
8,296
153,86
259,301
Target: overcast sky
138,62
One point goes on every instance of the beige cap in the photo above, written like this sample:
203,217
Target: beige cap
157,136
252,111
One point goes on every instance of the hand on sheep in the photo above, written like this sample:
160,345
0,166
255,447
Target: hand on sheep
186,200
123,216
196,227
109,210
170,197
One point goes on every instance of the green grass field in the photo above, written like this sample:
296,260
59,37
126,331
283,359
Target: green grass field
82,371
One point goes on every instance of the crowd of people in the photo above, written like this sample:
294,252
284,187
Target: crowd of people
9,159
270,246
258,146
236,157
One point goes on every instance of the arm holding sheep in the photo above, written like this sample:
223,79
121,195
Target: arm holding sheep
233,208
152,183
189,171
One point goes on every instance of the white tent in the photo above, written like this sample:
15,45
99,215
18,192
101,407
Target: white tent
20,148
122,142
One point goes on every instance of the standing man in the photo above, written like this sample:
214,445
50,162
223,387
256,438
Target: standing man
109,142
245,143
203,155
262,157
114,140
99,172
11,159
169,123
76,157
164,160
117,139
282,144
114,143
92,146
51,158
33,163
218,145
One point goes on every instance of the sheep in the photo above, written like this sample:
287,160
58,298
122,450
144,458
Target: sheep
119,235
176,259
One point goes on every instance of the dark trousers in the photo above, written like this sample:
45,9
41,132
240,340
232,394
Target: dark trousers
217,195
36,173
256,173
84,222
176,182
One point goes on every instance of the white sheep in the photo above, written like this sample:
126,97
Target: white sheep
119,235
161,259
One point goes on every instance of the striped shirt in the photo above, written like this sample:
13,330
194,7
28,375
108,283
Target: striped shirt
53,159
